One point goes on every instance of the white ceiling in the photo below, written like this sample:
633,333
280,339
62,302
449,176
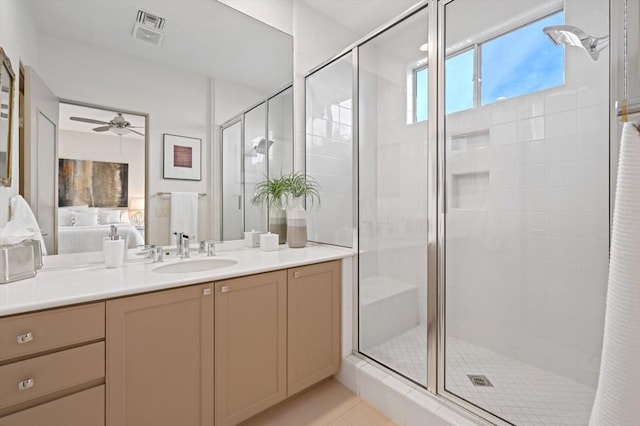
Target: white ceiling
361,16
70,110
200,36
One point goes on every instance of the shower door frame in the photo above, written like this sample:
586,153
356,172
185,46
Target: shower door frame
436,185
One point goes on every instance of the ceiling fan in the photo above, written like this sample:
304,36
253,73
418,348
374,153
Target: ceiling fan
118,125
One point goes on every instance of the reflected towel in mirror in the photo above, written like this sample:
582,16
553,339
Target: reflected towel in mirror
184,214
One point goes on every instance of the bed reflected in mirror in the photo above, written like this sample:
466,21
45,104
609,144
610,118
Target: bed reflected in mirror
101,177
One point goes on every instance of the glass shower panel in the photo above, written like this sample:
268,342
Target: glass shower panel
527,221
255,166
393,198
329,151
232,199
281,133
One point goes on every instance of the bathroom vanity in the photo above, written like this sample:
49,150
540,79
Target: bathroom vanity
199,348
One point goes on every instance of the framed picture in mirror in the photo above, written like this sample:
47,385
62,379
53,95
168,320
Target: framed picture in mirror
182,157
7,81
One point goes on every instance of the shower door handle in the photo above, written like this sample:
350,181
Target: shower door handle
239,202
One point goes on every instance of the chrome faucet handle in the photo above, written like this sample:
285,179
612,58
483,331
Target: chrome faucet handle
202,246
148,248
211,247
157,255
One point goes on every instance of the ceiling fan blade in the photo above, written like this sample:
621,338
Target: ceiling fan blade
133,131
88,120
102,129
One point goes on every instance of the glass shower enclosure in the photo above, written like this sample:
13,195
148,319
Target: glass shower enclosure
256,145
480,162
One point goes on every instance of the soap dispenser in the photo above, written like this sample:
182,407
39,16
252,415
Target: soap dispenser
113,249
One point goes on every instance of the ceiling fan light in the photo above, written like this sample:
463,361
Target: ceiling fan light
119,130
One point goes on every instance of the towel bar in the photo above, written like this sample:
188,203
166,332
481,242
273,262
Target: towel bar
201,194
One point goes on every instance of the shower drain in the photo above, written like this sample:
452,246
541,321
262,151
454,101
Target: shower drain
479,380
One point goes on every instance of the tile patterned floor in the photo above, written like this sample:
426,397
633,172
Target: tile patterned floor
521,393
328,404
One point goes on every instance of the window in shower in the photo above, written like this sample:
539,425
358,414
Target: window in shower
526,224
393,200
481,73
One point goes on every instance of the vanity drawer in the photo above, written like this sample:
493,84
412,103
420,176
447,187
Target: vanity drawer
32,333
36,377
84,408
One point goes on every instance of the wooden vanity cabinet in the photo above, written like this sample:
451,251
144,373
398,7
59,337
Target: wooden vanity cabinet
52,367
159,358
251,345
313,324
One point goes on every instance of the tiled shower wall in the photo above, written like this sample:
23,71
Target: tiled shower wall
528,216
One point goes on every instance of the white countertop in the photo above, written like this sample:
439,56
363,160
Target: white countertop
65,286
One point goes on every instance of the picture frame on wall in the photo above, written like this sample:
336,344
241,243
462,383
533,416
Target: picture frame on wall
182,157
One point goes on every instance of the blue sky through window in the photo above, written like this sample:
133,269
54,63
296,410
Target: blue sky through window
521,62
459,82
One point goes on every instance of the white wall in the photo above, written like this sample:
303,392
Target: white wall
231,99
18,38
277,13
177,103
110,148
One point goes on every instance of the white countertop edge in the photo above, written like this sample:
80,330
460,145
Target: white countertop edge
40,293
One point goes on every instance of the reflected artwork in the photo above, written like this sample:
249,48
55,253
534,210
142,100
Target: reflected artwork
92,183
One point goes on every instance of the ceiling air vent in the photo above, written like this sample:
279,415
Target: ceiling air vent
148,28
149,20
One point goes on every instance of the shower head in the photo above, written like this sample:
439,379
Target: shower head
573,36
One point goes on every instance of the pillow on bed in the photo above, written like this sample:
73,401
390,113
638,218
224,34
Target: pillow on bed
86,218
106,217
124,216
65,216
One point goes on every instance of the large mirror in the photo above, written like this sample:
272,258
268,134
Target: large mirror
7,83
165,67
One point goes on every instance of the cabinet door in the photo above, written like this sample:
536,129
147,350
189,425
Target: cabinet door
160,358
250,340
313,346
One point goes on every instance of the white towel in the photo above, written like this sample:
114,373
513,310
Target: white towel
184,214
22,214
618,391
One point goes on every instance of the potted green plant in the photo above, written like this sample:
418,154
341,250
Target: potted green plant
272,193
299,187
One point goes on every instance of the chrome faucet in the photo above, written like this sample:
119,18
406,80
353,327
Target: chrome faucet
179,236
185,247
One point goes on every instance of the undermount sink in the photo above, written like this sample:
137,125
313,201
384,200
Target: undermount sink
197,265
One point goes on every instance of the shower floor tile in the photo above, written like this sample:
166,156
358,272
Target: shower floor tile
521,393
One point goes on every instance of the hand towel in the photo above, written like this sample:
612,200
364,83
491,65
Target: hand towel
21,213
618,390
184,214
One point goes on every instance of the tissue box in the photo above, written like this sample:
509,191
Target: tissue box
252,238
269,242
16,263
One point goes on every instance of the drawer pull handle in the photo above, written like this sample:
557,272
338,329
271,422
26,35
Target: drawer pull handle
206,291
224,289
24,338
296,275
25,384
